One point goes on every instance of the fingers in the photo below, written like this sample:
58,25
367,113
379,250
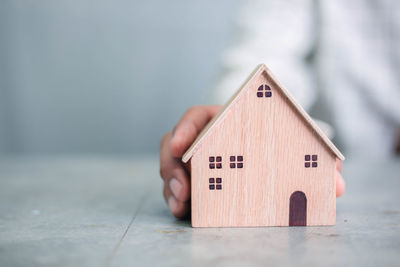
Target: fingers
178,208
167,162
172,170
340,184
187,129
176,180
339,165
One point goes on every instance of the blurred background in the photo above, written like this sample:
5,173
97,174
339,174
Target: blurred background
89,87
104,76
90,77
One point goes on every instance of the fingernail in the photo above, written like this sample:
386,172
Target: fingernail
172,204
175,186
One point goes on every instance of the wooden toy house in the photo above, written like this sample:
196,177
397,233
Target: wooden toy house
262,161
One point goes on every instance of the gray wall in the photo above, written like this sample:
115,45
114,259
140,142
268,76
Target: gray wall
101,76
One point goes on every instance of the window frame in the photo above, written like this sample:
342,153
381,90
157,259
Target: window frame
264,90
311,161
215,162
236,162
214,183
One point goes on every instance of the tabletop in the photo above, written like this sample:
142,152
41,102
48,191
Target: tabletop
109,211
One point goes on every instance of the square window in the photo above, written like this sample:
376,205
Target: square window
314,164
215,162
268,94
311,161
236,162
259,94
212,185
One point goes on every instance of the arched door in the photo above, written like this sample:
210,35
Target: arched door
298,209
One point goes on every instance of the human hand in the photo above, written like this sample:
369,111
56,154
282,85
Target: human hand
173,145
176,174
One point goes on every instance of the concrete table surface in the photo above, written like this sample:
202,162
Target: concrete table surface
99,211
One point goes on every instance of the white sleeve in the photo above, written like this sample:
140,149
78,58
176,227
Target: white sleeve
278,33
378,85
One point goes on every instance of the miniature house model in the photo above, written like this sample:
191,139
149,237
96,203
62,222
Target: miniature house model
262,161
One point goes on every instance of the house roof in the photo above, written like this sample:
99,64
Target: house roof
262,68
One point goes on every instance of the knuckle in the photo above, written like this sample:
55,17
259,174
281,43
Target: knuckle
166,194
193,109
164,170
191,127
163,139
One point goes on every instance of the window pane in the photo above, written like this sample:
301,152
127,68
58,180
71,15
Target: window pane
314,164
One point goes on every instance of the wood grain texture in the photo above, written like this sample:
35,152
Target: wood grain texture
273,137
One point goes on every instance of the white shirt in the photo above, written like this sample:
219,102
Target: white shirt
343,54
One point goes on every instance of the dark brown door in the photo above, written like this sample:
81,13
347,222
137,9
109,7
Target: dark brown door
298,209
